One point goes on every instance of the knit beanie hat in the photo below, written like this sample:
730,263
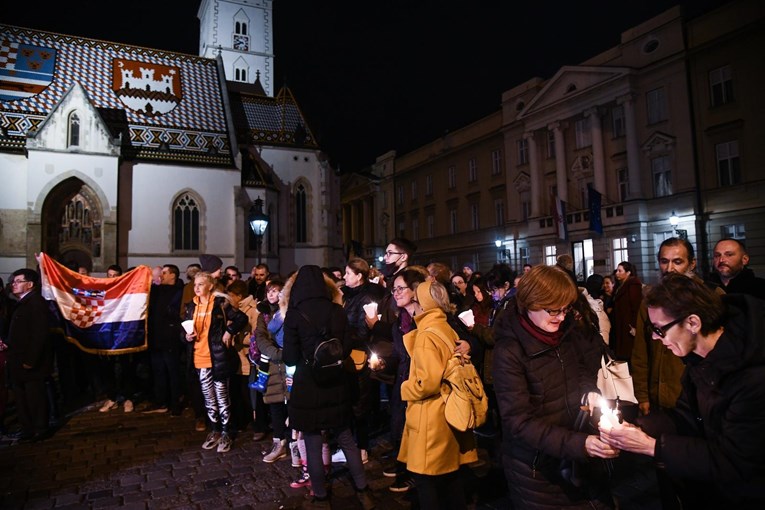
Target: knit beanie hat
210,263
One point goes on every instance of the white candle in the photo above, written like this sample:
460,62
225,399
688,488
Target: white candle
609,418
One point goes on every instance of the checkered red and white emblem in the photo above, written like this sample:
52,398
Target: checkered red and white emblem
86,311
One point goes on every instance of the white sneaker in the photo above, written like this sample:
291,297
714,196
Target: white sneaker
129,406
224,443
108,406
338,457
295,454
211,441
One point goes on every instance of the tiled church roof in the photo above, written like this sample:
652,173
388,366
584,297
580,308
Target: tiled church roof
172,102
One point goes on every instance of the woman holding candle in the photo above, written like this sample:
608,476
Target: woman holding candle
712,444
540,375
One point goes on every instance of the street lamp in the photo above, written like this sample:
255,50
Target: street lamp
674,219
258,221
498,244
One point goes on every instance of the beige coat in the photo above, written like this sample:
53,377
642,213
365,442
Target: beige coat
429,445
242,340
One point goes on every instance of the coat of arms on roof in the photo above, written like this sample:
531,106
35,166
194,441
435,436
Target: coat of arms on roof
25,70
151,89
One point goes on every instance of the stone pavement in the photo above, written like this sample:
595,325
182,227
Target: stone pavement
155,461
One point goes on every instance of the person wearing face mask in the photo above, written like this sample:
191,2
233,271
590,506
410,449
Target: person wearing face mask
542,369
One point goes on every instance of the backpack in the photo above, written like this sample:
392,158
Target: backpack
466,402
327,363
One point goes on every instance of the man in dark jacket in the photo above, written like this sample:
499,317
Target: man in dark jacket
30,354
165,341
730,261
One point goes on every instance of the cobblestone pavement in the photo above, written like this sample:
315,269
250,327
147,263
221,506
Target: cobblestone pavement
155,461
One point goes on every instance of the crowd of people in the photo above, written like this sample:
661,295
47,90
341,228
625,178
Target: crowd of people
239,354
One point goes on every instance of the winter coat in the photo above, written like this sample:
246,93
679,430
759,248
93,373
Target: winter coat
164,320
718,450
244,337
271,324
627,299
225,360
29,341
744,283
314,407
539,389
429,445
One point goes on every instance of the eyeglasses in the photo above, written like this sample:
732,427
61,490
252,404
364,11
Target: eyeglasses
398,290
389,253
19,282
559,311
661,331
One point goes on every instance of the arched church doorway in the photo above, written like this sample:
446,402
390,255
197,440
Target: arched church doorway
72,225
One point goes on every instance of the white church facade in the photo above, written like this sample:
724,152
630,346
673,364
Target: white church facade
118,154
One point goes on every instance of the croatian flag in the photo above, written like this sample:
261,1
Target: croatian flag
558,207
100,315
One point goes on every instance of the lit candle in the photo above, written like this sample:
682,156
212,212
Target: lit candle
609,418
374,360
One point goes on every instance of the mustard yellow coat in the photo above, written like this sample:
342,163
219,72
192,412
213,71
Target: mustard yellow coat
429,445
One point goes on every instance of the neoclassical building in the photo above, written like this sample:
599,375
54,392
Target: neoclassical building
111,153
665,126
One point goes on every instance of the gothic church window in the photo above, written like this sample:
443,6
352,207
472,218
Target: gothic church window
186,223
73,138
301,214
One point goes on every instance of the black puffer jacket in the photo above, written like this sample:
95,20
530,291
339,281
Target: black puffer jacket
539,389
314,407
225,360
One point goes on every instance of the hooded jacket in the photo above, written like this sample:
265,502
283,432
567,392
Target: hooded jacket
429,445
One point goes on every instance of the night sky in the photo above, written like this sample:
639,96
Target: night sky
376,76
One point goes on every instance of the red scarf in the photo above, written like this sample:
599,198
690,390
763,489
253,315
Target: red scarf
543,336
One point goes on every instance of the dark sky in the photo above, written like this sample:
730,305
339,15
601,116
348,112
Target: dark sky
375,76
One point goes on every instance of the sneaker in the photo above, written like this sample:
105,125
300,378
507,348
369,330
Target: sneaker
338,457
108,406
295,454
200,425
129,406
303,481
224,444
364,456
402,484
211,441
278,451
391,472
155,409
365,498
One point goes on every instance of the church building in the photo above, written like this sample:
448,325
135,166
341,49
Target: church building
118,154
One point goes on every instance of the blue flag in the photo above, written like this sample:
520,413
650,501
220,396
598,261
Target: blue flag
594,199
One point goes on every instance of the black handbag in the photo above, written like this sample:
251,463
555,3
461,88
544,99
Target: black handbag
581,473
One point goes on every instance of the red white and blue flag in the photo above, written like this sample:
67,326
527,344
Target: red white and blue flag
558,207
99,315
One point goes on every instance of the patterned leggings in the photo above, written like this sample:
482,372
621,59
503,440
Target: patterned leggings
216,400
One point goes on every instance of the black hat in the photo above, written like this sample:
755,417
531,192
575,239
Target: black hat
210,263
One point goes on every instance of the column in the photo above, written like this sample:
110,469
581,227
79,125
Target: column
633,151
560,160
596,132
536,177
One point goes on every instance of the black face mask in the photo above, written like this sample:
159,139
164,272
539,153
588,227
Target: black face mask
389,270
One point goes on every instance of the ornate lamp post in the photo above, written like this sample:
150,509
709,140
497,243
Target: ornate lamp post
258,221
679,232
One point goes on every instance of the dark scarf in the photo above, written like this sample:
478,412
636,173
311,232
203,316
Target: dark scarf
543,336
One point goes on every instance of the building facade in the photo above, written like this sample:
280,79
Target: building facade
111,153
661,128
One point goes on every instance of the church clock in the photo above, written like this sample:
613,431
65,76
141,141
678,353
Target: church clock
241,42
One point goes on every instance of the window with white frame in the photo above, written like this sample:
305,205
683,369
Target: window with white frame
617,121
452,175
523,256
623,183
656,103
583,134
551,257
414,190
728,165
551,144
430,225
186,217
415,229
73,138
428,185
721,85
733,231
496,162
452,221
619,250
472,170
499,212
525,199
662,176
523,151
475,217
400,194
